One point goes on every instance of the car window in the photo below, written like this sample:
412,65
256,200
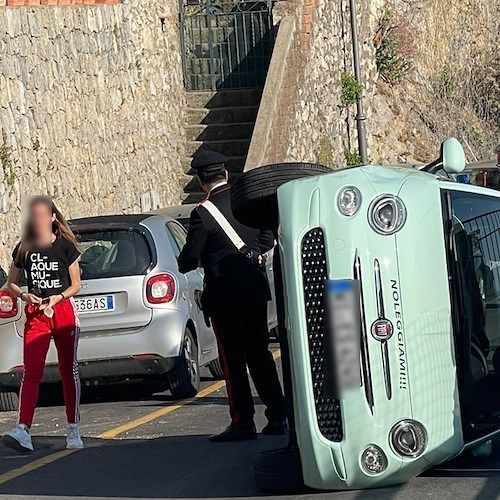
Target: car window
109,254
177,236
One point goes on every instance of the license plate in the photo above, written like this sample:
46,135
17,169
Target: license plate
343,316
96,303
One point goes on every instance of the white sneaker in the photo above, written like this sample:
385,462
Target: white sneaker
18,439
73,439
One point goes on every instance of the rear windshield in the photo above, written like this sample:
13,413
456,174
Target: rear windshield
110,254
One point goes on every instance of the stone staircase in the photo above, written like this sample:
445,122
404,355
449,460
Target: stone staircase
221,121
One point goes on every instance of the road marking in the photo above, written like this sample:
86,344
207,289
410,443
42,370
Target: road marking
36,464
112,433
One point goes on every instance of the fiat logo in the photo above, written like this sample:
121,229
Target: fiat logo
382,330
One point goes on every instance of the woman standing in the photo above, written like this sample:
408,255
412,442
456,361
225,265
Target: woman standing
48,256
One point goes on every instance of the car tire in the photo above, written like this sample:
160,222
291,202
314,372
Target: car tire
216,369
9,399
184,378
253,195
279,471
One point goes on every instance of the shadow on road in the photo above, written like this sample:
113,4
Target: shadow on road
173,467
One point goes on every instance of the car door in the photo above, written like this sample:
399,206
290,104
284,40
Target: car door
206,336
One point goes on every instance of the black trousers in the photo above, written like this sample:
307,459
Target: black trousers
243,339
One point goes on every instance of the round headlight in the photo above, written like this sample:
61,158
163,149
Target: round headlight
373,460
387,214
408,438
349,200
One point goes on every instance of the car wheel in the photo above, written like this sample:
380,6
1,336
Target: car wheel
184,378
279,471
9,399
216,369
253,195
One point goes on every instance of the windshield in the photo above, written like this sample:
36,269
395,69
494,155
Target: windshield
488,177
110,254
475,269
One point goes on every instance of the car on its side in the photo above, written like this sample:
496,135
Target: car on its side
182,214
139,316
394,341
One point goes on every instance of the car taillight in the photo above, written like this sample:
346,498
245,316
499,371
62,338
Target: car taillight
160,289
8,304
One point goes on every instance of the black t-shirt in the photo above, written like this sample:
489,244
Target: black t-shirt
47,268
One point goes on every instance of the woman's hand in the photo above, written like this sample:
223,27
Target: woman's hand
53,300
31,299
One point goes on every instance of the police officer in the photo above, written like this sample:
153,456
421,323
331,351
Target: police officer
235,298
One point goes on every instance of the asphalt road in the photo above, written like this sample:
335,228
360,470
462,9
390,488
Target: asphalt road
140,445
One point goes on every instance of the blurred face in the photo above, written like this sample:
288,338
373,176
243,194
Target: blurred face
41,218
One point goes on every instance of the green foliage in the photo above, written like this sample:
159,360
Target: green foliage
443,85
324,154
351,89
6,161
352,158
395,49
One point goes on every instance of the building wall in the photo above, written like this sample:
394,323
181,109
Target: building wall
91,107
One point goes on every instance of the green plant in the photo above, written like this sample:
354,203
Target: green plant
6,161
351,157
36,145
351,89
395,49
324,153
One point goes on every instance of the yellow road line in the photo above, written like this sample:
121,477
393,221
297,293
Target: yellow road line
36,464
112,433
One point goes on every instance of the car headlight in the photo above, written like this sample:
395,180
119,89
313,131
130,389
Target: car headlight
348,200
387,214
373,460
408,438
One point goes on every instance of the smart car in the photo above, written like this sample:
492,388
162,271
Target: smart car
140,318
394,342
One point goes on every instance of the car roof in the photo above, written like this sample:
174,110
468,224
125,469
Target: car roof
176,212
108,222
479,165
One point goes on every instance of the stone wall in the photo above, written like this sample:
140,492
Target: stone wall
91,108
407,118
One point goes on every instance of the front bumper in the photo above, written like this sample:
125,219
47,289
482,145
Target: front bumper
101,371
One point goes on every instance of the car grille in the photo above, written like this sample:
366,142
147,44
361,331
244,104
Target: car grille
314,273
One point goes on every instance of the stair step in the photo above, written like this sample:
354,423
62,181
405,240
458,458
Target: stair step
226,131
224,98
234,164
236,147
246,114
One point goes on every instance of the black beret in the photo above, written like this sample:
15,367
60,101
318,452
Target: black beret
203,159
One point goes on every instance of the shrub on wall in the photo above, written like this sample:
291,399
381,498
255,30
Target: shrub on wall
395,49
351,89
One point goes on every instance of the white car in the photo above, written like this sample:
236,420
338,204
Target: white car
139,316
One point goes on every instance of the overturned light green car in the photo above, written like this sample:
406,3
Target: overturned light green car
392,292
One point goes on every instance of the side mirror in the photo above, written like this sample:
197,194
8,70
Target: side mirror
451,159
453,156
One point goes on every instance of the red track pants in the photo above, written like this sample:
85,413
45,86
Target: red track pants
64,328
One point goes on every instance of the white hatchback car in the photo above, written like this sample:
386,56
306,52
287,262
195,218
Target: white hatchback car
139,316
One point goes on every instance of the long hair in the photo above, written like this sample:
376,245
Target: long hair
60,228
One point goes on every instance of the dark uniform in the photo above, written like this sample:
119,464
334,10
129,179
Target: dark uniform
235,298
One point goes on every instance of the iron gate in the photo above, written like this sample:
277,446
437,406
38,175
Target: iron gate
226,44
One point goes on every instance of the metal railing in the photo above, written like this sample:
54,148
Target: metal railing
227,44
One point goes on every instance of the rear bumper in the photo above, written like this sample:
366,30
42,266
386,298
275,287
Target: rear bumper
102,371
